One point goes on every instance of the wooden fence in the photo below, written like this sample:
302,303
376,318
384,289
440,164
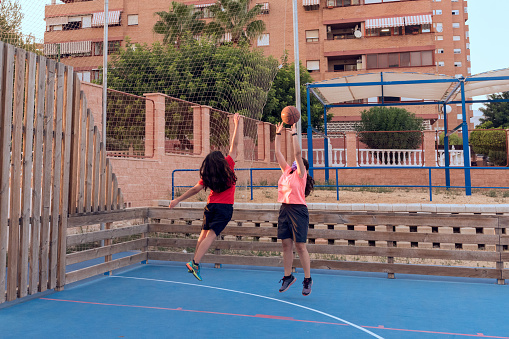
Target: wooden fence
460,245
52,164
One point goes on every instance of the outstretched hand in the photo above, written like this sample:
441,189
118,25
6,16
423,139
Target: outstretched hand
293,129
236,118
173,203
279,127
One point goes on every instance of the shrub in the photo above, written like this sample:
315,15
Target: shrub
454,139
390,119
492,143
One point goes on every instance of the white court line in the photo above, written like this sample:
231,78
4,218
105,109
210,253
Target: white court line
256,295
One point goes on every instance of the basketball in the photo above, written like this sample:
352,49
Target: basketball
290,115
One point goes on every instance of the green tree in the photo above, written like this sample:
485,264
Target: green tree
390,119
282,94
234,17
497,112
454,139
179,24
491,142
10,26
232,79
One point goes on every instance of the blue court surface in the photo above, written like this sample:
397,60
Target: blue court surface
162,300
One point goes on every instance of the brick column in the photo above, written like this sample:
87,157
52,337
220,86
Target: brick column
155,125
197,131
266,138
205,128
351,149
260,133
240,131
429,148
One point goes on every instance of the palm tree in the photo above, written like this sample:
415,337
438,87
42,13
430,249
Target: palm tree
180,23
234,17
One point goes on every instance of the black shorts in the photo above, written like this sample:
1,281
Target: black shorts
293,222
216,217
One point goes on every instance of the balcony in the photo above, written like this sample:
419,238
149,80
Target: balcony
364,45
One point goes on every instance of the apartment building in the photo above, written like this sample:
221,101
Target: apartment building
337,38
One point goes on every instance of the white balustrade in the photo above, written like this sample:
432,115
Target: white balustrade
456,158
337,157
390,157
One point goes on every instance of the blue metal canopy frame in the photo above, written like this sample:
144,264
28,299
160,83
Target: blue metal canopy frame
460,84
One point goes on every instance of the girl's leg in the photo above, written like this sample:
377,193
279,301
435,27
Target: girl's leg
288,256
203,244
304,258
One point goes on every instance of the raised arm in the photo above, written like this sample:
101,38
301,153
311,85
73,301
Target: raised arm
235,137
297,152
190,192
279,156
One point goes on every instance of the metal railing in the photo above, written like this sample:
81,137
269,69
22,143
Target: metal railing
336,185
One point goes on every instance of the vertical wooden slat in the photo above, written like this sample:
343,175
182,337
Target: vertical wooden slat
121,199
89,161
115,192
66,164
28,124
36,186
82,155
46,176
97,166
73,175
102,178
57,172
108,185
6,93
15,210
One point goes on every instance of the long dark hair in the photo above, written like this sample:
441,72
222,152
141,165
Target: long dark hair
216,173
310,182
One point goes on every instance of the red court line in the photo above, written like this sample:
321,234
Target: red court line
265,316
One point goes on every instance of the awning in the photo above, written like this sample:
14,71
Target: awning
385,22
73,47
474,87
98,18
203,5
422,91
58,20
418,19
310,2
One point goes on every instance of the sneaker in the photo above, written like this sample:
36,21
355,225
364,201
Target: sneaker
194,269
306,286
287,282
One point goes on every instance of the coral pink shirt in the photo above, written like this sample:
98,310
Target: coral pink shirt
291,188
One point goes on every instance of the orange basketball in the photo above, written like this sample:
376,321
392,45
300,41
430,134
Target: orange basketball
290,115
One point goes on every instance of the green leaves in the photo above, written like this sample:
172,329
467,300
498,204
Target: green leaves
492,143
384,119
497,112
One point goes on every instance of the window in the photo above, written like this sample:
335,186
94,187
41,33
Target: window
437,12
457,64
455,25
132,20
86,22
440,37
263,40
441,63
456,38
426,28
440,51
312,35
74,23
467,34
455,12
313,65
457,51
395,60
342,3
113,47
265,7
468,57
439,27
467,45
387,31
458,76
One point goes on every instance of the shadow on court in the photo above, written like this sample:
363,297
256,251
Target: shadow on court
162,300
